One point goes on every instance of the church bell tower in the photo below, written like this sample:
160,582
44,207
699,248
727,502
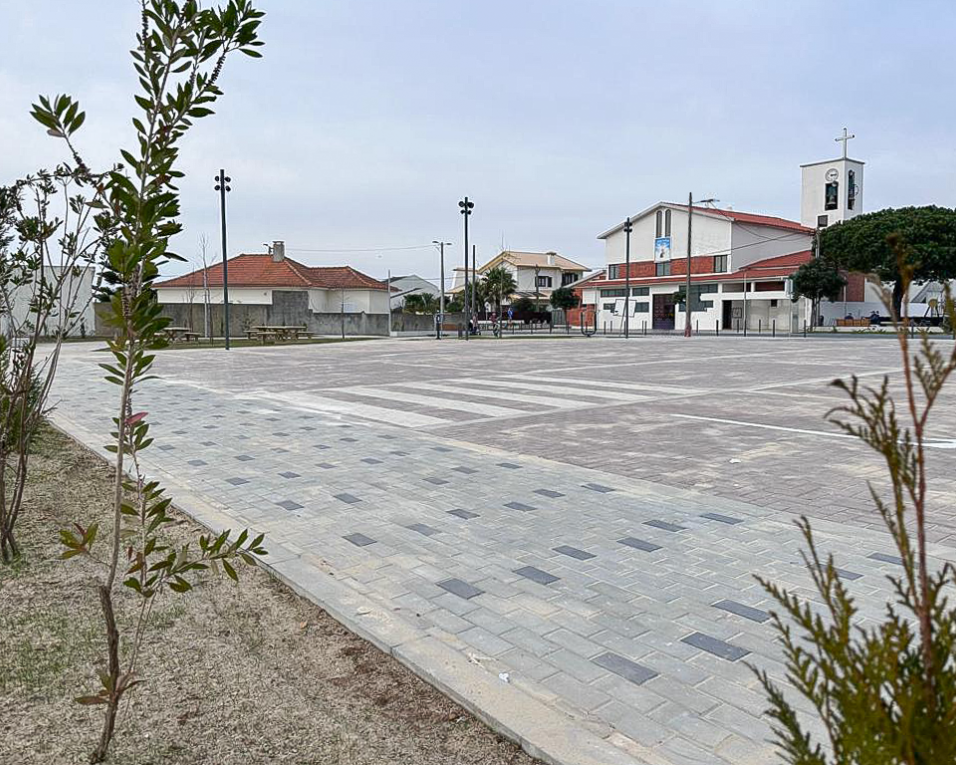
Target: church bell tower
832,190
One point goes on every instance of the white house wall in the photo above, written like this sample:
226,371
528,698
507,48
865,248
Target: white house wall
752,243
196,295
711,236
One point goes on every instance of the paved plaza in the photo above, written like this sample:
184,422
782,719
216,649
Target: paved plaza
571,526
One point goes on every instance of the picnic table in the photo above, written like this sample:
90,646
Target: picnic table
278,332
181,333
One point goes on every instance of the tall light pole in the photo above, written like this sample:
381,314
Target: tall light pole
466,208
441,308
690,223
474,282
222,186
627,277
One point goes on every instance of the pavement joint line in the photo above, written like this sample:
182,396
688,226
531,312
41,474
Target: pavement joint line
542,731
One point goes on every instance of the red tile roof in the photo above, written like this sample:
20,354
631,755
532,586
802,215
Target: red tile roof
754,219
260,270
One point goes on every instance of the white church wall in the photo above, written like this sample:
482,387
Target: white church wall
752,243
711,236
813,193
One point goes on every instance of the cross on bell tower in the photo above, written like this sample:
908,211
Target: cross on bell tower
845,139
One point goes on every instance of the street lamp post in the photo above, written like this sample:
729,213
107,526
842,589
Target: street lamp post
441,308
690,220
466,208
222,186
627,278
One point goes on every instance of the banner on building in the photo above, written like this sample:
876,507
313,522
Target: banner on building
662,248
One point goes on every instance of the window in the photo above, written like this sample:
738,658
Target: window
614,271
568,277
832,196
663,269
640,291
641,307
659,227
823,221
851,189
667,223
720,264
613,293
609,307
544,281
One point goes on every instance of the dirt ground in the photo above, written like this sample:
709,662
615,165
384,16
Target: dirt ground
245,673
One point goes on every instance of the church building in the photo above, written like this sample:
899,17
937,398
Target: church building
741,263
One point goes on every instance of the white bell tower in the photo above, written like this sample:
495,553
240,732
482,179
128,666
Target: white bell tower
832,190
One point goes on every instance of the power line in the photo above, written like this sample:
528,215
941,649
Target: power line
359,249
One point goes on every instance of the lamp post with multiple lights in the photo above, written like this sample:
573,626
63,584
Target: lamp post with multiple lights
222,186
466,208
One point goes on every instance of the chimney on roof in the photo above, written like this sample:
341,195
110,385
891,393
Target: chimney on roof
278,251
550,258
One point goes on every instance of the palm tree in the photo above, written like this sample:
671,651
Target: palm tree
499,285
422,302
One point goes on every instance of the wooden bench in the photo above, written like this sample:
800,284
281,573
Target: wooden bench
181,333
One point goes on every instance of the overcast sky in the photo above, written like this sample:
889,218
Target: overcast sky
367,120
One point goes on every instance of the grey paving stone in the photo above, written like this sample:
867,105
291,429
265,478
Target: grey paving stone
509,465
626,668
639,544
289,474
197,463
460,588
519,506
441,449
658,524
844,574
209,443
464,514
885,558
537,575
288,504
436,481
399,453
359,540
347,498
244,457
371,461
464,470
280,450
722,518
548,493
387,437
574,552
280,434
179,432
717,647
597,487
325,465
321,446
237,481
349,440
748,612
423,528
167,447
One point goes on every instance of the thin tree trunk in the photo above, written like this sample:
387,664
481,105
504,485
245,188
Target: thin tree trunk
112,644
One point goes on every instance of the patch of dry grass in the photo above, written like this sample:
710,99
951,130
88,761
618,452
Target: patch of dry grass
244,673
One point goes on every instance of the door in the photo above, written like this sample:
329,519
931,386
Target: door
727,320
663,312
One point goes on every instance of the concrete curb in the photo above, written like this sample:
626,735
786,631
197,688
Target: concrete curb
543,732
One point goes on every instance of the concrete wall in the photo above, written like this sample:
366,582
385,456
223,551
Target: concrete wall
76,293
288,308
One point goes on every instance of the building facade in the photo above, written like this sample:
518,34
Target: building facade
537,274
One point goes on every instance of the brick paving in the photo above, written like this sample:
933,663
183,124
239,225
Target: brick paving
599,553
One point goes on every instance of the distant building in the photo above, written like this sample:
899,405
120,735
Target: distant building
76,293
403,286
255,278
535,273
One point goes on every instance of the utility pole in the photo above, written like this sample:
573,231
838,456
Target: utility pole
441,308
627,277
222,181
474,282
690,231
466,208
342,313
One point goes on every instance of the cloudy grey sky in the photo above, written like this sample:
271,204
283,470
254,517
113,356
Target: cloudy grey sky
367,120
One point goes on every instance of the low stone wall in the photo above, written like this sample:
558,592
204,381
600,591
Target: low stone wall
288,309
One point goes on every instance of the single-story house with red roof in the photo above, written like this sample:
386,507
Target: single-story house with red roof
256,278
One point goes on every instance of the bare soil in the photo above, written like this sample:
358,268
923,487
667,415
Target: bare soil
246,673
